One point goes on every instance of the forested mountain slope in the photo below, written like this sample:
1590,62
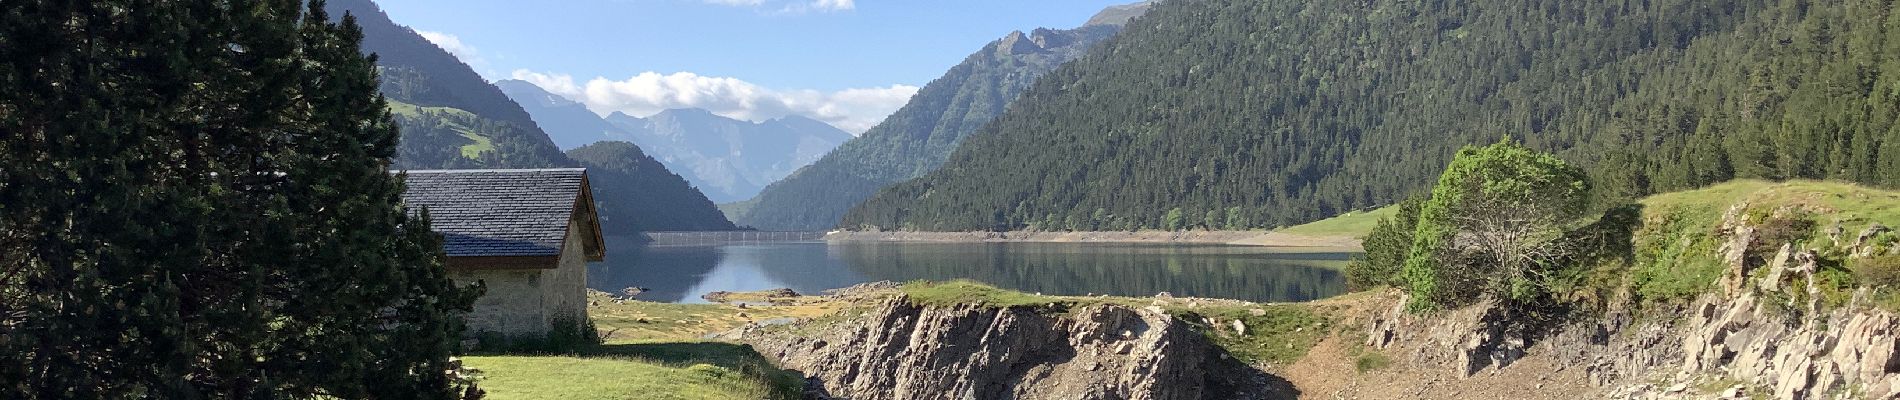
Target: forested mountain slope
918,137
645,195
489,131
451,118
1243,114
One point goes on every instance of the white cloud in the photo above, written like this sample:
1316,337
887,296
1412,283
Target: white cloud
853,110
451,43
835,5
791,6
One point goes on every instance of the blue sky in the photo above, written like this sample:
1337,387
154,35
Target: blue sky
842,61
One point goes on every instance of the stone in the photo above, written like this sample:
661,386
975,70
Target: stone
1868,235
1240,328
1771,281
901,350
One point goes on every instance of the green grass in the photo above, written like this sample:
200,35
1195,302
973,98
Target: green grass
1676,247
660,371
482,144
1371,361
1354,224
641,321
1853,206
1280,335
971,292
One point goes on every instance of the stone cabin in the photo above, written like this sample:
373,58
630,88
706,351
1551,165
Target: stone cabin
527,234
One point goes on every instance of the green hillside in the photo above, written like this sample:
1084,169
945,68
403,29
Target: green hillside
1261,114
451,120
450,117
1676,248
1355,224
646,197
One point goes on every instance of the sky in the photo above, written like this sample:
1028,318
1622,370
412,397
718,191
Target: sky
846,62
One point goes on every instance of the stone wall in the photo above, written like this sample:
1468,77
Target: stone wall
564,289
513,304
525,302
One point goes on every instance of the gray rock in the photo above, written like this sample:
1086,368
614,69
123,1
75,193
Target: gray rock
902,350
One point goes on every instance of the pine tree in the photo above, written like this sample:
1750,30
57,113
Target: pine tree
195,204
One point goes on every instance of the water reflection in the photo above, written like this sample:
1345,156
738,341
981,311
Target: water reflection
683,273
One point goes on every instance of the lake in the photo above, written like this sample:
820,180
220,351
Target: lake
684,273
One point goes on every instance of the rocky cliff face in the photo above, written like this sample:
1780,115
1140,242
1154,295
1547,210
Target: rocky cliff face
901,350
1746,339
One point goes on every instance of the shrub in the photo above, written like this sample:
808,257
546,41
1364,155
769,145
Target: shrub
1492,226
1880,271
1387,246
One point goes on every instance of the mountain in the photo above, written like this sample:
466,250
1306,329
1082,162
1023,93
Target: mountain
1241,114
729,159
645,195
918,137
451,118
569,123
1119,15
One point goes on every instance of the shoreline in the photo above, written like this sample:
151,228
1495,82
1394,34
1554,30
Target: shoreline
1288,241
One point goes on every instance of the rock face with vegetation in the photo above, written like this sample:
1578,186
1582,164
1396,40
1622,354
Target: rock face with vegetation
1760,318
901,349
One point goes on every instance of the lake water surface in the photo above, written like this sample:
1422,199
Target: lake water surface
684,273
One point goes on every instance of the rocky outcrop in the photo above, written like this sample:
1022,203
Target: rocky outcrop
1761,332
902,350
1846,351
1469,340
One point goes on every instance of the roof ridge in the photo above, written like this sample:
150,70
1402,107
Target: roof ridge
450,171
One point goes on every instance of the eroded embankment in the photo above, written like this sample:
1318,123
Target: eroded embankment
899,349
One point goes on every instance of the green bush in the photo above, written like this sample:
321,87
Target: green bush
1491,224
1879,272
1387,246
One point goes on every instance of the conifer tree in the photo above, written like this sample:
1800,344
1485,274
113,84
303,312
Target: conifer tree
194,203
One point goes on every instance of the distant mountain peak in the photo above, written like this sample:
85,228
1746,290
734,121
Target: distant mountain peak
799,119
1050,38
687,111
530,92
1119,15
1017,43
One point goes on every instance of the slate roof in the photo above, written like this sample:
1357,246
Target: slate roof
512,213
